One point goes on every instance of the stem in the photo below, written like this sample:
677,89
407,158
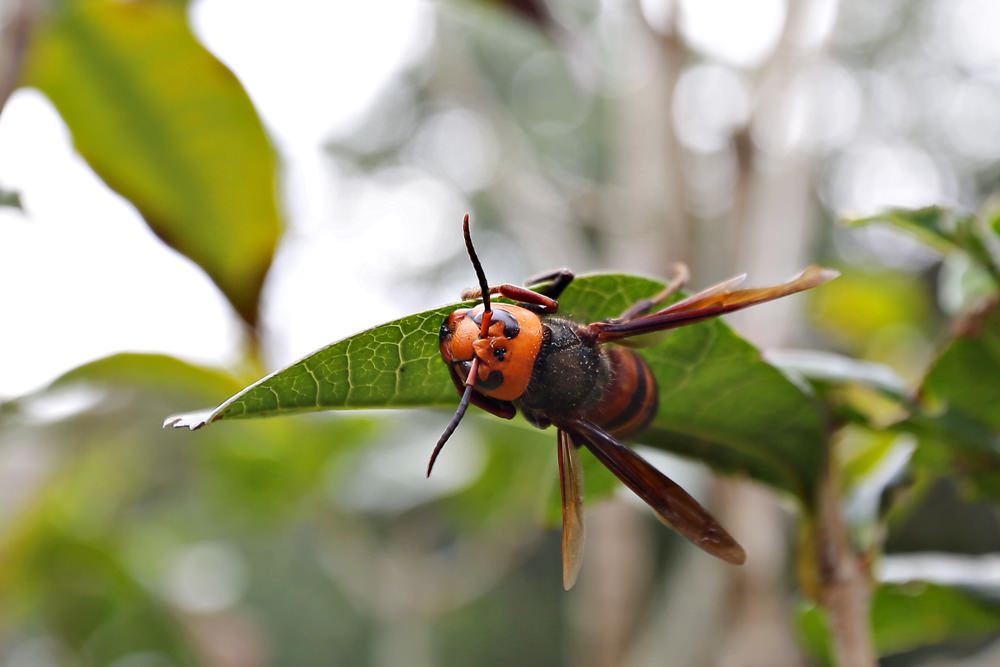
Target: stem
845,583
16,23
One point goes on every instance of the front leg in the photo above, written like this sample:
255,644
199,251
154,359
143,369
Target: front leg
540,300
557,280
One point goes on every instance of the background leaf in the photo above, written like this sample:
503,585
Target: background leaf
959,428
10,198
170,128
102,580
909,616
963,378
158,373
944,230
719,401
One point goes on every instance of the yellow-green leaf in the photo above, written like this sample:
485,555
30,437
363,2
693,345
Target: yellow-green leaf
168,127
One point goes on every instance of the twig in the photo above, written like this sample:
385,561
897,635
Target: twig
845,583
15,33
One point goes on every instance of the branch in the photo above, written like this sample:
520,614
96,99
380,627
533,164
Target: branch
845,583
15,34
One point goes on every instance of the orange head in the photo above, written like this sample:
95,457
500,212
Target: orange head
506,355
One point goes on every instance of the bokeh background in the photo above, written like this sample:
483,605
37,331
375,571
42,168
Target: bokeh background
609,134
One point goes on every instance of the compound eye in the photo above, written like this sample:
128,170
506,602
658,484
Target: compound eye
500,353
505,323
451,323
457,335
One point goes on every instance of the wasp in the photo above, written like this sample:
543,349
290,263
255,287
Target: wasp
524,357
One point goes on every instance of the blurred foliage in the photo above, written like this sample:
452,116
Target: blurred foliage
532,11
168,127
960,382
10,198
94,558
942,514
959,426
861,305
909,616
107,535
953,410
895,444
945,231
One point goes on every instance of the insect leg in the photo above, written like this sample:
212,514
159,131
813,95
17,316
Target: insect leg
557,280
550,284
679,279
672,504
527,297
571,488
523,295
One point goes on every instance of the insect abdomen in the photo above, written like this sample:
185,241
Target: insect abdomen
631,398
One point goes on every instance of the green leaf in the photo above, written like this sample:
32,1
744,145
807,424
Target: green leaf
517,479
945,231
87,555
10,198
909,616
959,426
155,373
965,378
396,364
87,597
963,285
719,401
168,127
905,616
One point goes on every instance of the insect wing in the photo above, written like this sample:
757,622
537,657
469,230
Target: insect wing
724,287
670,502
716,300
571,487
656,337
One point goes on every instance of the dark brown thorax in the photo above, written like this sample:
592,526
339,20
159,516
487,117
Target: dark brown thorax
575,376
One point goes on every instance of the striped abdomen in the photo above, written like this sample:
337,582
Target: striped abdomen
630,400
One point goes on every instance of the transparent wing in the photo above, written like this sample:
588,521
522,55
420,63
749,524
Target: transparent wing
571,486
712,302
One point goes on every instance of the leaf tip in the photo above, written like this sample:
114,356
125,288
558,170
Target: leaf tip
190,420
824,274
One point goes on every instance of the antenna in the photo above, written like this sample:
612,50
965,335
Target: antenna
470,381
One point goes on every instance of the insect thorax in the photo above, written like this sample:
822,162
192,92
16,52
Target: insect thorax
570,374
576,377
